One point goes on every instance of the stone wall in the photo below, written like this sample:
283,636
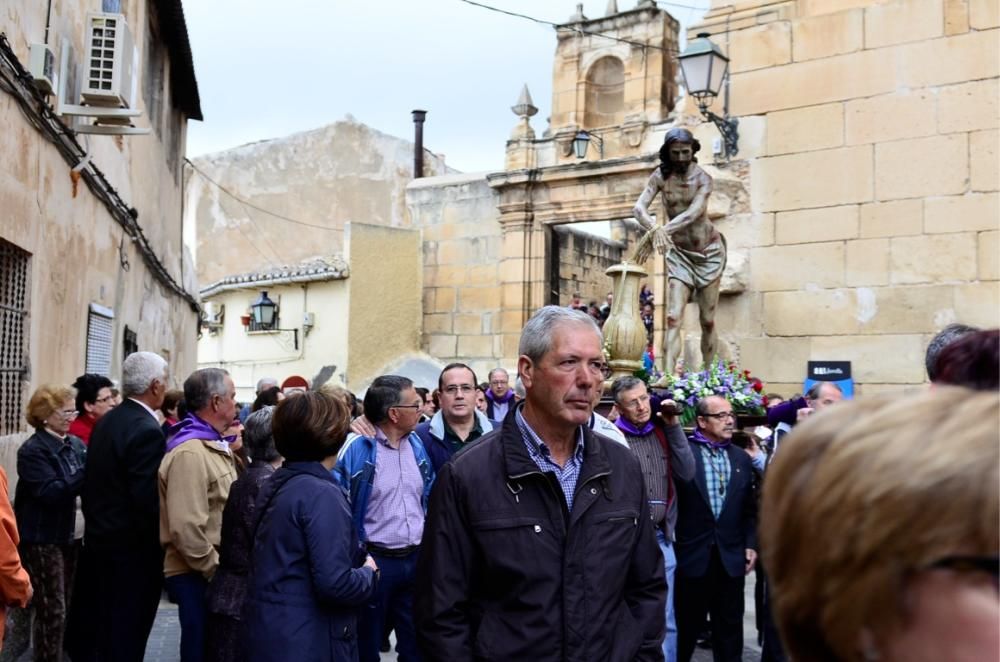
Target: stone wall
461,268
583,258
78,253
874,185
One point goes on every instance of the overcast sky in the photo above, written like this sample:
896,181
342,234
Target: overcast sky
269,69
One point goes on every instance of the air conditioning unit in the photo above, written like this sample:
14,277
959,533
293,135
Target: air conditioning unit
110,78
42,65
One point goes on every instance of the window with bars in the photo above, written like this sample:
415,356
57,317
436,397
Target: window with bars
13,335
100,330
130,343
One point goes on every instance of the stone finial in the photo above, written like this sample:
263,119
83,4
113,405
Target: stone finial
578,16
612,8
524,107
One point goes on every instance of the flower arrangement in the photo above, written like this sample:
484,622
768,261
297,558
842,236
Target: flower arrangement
742,390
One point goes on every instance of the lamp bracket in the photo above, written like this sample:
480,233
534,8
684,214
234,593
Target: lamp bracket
728,129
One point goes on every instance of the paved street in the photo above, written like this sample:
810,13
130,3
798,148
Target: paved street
164,642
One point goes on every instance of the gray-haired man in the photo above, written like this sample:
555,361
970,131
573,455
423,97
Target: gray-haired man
121,574
663,453
538,543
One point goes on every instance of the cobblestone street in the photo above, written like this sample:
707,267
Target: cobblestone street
165,640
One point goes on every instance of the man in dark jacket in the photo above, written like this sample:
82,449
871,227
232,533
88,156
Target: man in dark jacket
122,566
538,543
458,422
716,535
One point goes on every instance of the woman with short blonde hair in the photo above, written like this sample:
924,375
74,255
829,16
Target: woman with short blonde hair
50,477
880,529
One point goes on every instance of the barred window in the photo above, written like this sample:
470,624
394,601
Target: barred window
13,335
99,335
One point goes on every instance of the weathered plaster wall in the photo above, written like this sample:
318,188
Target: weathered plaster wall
320,179
77,249
874,204
384,312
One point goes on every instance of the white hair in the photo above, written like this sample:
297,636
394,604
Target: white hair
265,383
139,370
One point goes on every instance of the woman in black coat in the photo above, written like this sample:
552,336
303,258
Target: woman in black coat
227,592
307,580
50,477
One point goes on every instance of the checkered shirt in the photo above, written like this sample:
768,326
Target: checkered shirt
716,464
539,452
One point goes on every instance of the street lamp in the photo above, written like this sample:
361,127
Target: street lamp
263,310
706,70
582,141
265,317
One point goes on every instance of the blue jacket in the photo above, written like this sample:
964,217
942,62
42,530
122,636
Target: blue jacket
304,589
432,434
355,471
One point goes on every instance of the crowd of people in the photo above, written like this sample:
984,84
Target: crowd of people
506,521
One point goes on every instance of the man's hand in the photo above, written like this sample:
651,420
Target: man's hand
666,413
363,426
751,560
803,414
370,562
661,240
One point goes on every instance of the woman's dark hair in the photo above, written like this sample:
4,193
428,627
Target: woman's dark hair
258,435
87,387
972,361
267,398
170,400
310,427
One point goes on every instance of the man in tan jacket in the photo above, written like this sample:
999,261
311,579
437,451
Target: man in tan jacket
194,482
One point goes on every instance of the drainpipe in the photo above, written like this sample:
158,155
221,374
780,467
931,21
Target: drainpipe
418,143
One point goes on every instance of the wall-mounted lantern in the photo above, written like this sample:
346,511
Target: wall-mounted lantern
706,71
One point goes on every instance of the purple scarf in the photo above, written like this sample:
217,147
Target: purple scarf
702,439
628,428
190,427
504,399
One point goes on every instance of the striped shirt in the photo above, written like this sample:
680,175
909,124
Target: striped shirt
648,450
716,464
568,474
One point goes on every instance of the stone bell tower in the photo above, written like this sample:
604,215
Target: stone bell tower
613,77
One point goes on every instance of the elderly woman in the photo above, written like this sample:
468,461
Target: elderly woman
50,476
227,592
880,530
305,586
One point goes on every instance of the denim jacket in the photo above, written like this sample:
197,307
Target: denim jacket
355,472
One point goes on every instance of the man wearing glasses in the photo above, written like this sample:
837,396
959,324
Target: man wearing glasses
500,397
389,478
716,535
458,422
538,543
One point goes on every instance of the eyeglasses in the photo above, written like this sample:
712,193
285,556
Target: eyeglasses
104,399
454,389
500,382
632,404
69,413
406,407
720,416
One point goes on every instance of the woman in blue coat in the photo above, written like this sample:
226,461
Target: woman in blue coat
309,575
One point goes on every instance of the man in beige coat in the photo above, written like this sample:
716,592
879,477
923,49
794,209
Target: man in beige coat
194,480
